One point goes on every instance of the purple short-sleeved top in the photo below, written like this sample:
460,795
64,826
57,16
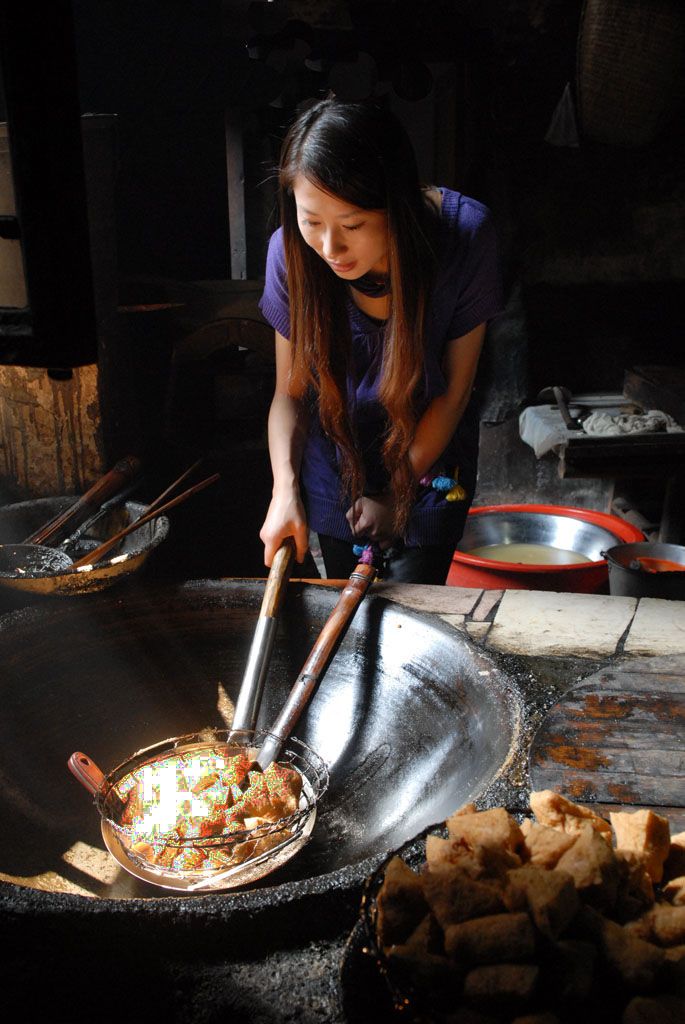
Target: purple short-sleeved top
467,293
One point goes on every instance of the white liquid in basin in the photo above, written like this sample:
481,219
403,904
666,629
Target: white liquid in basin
529,554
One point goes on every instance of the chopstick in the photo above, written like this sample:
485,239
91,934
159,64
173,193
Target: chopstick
172,487
153,510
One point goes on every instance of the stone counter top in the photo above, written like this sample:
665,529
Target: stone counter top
541,623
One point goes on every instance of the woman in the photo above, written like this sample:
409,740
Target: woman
379,291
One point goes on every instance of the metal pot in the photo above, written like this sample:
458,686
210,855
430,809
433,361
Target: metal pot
626,580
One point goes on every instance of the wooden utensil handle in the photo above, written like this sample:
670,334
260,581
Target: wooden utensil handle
281,568
338,621
316,664
125,471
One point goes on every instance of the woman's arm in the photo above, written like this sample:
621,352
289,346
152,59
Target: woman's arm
287,430
441,418
372,517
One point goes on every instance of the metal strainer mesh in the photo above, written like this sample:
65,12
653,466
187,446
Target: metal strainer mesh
231,858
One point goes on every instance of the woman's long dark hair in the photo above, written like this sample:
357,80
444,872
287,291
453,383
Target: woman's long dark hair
361,154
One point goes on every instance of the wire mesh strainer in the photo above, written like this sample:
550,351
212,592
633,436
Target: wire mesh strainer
224,859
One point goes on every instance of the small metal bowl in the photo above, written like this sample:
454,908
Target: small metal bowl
22,560
21,519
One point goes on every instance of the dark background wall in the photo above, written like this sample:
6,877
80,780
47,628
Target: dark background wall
476,83
592,233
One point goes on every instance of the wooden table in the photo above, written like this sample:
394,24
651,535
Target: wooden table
617,740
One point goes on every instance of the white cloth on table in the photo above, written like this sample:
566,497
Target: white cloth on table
543,428
650,422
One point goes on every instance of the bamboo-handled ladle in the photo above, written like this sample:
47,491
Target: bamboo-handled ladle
56,530
316,664
105,509
259,658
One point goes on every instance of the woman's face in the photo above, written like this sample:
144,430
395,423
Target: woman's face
352,241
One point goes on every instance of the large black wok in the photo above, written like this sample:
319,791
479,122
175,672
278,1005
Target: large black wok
412,720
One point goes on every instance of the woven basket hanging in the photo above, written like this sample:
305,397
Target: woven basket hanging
630,68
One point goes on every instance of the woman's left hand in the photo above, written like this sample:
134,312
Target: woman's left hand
371,519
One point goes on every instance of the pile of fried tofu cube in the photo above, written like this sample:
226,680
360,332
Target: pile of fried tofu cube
564,917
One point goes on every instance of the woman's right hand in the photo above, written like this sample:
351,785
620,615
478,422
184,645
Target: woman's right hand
288,419
285,518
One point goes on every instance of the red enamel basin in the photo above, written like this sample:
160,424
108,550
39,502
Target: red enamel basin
584,531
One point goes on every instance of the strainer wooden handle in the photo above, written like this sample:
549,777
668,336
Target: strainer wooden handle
86,771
